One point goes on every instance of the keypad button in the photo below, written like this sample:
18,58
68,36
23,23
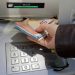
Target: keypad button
15,68
14,54
14,61
24,60
13,48
35,66
23,54
25,67
34,59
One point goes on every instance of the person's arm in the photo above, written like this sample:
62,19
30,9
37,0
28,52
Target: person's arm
60,37
65,41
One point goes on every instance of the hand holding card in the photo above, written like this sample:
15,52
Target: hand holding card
28,30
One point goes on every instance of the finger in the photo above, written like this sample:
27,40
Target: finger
55,21
18,23
45,26
41,28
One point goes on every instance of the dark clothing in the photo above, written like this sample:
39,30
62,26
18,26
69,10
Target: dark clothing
65,41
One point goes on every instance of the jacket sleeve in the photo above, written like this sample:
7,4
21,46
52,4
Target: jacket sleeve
65,41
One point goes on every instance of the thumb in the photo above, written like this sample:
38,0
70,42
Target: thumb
41,28
49,28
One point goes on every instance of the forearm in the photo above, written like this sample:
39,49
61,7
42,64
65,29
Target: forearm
65,41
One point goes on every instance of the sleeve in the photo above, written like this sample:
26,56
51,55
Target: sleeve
65,41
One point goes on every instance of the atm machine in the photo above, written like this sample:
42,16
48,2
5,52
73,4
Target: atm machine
19,56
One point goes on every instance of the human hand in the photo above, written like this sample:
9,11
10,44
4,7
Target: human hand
49,41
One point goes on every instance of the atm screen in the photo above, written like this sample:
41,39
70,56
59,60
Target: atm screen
25,5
